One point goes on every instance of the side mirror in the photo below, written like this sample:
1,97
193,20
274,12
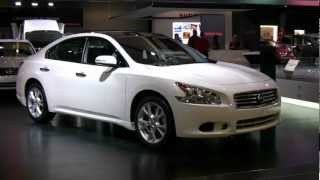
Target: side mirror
107,60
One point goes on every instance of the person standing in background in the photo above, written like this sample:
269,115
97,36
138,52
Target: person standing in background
215,42
203,45
268,59
234,43
194,40
177,37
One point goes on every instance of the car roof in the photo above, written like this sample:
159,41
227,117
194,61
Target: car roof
14,40
113,34
119,34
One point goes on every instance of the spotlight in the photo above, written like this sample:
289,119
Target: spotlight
34,4
18,3
50,4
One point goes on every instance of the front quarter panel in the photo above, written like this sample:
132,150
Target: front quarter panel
137,83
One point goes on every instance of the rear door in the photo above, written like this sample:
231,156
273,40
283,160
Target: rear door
64,64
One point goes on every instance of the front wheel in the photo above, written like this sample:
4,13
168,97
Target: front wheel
154,121
37,104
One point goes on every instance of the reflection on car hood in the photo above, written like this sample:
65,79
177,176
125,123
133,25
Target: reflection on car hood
212,74
12,62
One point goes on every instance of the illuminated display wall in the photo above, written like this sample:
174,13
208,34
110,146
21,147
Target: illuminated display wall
251,2
185,30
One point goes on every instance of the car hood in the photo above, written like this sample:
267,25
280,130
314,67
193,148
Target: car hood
220,73
11,62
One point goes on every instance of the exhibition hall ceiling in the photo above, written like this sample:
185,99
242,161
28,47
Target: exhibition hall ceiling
26,3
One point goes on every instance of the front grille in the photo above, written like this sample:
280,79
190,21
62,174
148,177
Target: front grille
247,123
8,71
9,84
256,99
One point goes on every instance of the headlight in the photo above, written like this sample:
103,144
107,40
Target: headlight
197,95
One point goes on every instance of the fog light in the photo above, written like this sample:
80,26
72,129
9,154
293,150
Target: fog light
34,4
207,127
18,3
224,126
50,4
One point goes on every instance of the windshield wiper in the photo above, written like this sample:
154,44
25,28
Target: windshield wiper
212,61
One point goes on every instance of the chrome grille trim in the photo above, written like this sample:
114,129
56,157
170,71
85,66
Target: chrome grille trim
8,71
255,99
7,84
248,123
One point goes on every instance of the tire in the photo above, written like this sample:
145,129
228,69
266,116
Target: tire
154,129
268,138
37,106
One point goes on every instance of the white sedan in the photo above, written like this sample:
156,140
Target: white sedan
147,83
12,55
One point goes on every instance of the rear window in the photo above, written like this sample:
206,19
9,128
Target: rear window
19,49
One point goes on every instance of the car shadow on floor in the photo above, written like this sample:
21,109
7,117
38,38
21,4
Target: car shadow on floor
95,149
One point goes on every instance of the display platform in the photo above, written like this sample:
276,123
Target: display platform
101,151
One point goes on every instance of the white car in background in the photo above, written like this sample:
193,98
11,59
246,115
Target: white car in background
12,54
41,32
148,83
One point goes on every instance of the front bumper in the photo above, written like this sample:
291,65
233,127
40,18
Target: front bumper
227,119
7,82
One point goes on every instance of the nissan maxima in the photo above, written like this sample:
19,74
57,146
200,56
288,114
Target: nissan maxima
12,54
147,83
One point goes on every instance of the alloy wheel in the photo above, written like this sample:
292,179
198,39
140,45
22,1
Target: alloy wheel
152,122
35,102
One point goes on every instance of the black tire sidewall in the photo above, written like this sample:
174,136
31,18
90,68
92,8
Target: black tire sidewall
170,121
46,116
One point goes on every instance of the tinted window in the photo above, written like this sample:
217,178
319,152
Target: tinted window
98,47
69,50
159,51
139,49
13,49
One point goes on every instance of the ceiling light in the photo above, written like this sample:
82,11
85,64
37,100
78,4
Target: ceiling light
50,4
34,4
18,3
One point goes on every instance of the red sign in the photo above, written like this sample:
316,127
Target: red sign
303,2
182,15
213,33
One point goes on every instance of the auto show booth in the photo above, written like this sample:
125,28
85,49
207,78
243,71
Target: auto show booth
121,90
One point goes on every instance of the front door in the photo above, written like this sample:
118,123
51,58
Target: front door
102,87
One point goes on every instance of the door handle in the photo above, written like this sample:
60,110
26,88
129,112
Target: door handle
44,69
80,74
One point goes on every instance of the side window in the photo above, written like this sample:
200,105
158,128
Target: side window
139,49
97,47
70,50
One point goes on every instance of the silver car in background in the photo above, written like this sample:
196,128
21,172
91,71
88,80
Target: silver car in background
12,54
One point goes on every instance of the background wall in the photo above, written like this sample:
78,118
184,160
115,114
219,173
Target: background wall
97,17
216,24
210,23
164,26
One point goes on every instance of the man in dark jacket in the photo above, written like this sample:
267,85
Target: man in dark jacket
194,40
203,45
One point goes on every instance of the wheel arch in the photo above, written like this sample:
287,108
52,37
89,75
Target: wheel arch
37,81
29,82
145,93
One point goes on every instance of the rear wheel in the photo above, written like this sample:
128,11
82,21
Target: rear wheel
37,104
154,121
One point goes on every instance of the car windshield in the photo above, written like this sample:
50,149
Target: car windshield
13,49
160,51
